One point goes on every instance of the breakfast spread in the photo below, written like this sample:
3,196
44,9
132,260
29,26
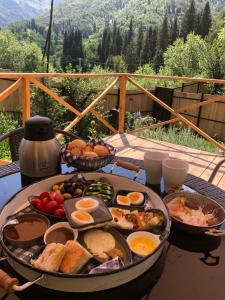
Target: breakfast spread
189,213
90,239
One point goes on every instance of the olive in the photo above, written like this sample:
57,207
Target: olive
55,187
67,196
61,186
78,191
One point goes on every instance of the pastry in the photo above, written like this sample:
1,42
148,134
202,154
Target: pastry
77,143
88,148
90,154
76,151
51,257
75,258
101,150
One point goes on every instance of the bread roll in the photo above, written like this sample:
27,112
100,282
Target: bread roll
77,143
88,149
76,151
75,258
51,257
90,154
101,150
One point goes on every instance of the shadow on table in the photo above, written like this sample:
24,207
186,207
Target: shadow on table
196,243
133,290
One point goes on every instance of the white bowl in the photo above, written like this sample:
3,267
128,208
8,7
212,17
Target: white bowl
145,234
60,225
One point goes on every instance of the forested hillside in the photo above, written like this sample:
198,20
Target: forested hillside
91,16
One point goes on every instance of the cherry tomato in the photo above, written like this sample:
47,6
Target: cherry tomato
59,212
43,195
35,201
51,206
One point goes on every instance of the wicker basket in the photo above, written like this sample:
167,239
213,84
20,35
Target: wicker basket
88,163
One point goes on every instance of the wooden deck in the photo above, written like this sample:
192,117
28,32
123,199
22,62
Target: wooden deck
201,163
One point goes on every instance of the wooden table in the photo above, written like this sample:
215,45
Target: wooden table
191,267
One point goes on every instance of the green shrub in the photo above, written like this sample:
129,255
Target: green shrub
7,124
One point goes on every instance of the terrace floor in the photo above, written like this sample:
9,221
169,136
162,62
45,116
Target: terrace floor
201,163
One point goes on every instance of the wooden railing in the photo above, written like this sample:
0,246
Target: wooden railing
24,81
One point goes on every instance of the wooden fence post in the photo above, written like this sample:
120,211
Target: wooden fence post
122,104
26,99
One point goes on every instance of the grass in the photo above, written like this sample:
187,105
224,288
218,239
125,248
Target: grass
180,136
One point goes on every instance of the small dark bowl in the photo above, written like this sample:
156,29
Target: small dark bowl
53,218
196,200
83,163
9,231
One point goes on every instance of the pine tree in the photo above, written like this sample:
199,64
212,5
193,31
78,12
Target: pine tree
72,49
206,21
130,32
139,43
188,23
118,41
105,45
174,31
197,22
153,43
145,53
164,35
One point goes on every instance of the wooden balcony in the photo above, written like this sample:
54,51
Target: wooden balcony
26,81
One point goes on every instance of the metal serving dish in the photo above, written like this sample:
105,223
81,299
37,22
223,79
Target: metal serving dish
80,282
200,201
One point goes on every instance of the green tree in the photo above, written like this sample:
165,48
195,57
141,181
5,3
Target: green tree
139,43
186,58
206,21
174,31
21,56
146,50
153,43
188,23
164,35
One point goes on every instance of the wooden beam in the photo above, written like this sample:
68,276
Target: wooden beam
87,109
26,100
103,121
179,116
182,109
93,103
153,126
122,103
106,75
55,96
200,104
11,89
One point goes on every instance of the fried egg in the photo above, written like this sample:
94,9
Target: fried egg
87,204
135,198
82,217
122,200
